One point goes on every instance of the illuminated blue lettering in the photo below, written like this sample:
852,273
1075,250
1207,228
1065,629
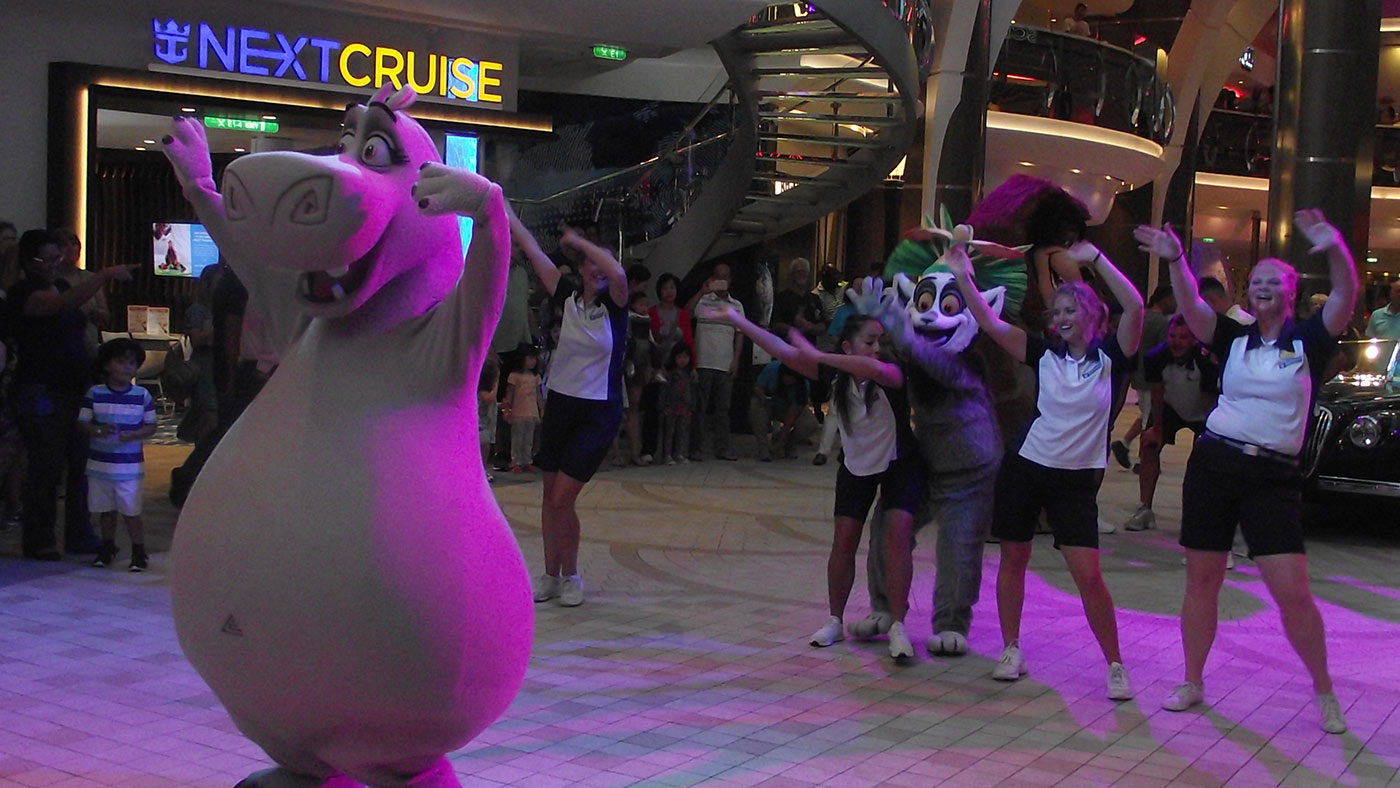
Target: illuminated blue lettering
244,51
289,56
208,40
453,81
325,45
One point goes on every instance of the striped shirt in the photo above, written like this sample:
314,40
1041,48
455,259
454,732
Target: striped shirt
109,458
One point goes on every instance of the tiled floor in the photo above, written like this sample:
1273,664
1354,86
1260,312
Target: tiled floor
688,663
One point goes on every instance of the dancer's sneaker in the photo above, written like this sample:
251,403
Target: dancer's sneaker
828,634
1105,527
872,626
1184,697
1119,688
1011,666
1142,519
571,591
1332,719
546,588
1120,453
900,647
946,644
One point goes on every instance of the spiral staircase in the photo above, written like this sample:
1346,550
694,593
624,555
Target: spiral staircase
823,103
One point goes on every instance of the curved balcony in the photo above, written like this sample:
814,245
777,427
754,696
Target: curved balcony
1087,115
1241,143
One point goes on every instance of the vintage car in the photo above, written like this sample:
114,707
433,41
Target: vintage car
1354,444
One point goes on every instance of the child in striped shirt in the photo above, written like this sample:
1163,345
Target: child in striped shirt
117,415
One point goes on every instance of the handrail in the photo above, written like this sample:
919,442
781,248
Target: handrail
616,173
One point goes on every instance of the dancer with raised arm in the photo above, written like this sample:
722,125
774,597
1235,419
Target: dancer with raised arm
1058,463
881,459
1245,469
583,406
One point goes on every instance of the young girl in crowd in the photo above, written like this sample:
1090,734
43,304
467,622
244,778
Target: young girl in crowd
487,410
881,459
1245,468
677,404
523,409
1059,462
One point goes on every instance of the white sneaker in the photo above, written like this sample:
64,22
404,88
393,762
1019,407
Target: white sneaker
946,644
872,626
546,588
1011,666
829,633
1332,719
1105,527
900,647
1230,562
1142,519
1119,688
1184,697
571,591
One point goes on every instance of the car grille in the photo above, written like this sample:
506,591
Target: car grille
1322,425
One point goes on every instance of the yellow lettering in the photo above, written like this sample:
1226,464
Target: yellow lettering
381,72
443,61
486,82
462,70
351,79
432,74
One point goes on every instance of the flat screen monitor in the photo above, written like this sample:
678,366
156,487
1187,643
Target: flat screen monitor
181,249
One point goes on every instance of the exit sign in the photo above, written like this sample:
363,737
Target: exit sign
609,52
239,124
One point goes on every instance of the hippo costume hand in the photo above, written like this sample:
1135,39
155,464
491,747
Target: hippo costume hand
441,189
188,151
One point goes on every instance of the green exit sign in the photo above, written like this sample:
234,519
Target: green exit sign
1208,240
239,124
608,52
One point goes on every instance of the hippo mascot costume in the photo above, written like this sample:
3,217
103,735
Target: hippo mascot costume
342,577
954,418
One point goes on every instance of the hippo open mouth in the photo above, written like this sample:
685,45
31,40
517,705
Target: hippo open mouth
336,284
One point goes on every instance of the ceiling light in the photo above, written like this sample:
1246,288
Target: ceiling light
274,117
1075,170
240,150
188,109
1369,259
140,147
1108,177
1223,207
149,142
1026,163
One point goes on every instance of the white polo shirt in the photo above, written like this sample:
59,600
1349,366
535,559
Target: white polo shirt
714,340
874,435
1073,400
592,340
1267,388
1188,385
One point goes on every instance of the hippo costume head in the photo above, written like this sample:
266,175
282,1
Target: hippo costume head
328,219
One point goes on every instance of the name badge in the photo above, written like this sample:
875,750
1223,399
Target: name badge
1287,360
1090,369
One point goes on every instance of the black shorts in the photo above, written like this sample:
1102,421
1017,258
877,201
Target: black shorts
1069,498
1172,423
1225,487
576,434
898,487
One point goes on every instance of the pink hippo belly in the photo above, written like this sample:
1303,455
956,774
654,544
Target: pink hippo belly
346,582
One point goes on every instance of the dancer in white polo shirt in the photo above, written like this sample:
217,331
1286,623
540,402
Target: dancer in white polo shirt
881,459
1058,463
1245,468
583,409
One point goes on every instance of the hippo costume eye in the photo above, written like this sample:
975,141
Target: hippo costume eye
378,152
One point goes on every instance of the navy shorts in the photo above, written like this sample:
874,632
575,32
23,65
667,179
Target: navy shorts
1069,498
576,434
1172,423
1225,487
897,487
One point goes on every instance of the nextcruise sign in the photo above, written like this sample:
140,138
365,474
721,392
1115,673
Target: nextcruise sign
305,58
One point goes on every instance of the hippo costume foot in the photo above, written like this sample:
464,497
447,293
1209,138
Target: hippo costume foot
279,777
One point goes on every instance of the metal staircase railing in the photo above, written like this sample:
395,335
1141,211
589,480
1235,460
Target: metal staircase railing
823,103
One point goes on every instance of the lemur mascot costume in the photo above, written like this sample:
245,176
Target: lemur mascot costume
955,421
342,577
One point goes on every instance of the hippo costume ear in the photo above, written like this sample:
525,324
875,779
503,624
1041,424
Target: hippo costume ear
395,100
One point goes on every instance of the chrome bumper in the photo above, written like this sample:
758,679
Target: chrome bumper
1358,486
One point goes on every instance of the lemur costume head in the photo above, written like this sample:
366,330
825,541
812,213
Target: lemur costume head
933,304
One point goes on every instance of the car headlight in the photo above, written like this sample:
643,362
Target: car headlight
1365,432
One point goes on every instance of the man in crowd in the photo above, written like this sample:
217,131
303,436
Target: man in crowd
717,348
1385,321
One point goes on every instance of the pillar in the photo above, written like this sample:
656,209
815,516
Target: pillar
1324,129
958,182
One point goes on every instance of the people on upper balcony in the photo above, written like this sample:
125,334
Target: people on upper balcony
1077,23
1385,320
